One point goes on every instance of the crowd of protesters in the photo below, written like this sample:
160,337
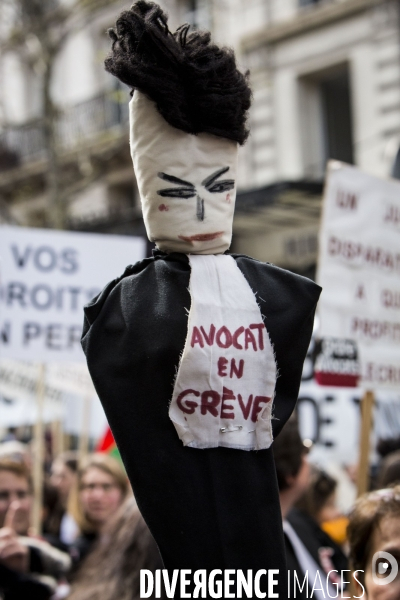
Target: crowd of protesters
329,546
93,540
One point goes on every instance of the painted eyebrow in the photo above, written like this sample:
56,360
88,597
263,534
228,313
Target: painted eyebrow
173,179
179,192
211,178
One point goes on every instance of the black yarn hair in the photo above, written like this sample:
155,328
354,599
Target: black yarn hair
195,84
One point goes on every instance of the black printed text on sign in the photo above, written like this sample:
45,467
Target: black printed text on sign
46,277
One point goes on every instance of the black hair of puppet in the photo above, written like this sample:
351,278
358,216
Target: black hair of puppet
195,84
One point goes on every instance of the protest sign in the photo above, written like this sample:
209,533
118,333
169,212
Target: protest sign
65,388
359,270
330,417
46,278
72,378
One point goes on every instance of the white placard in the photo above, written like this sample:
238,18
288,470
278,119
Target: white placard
359,270
47,277
19,381
65,387
330,417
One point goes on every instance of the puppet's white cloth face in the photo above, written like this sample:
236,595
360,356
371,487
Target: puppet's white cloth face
187,183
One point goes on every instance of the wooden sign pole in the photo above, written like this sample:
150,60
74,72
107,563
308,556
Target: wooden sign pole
39,452
367,405
84,437
57,438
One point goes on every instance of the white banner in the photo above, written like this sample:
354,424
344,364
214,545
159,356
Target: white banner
66,388
47,277
331,417
72,378
359,270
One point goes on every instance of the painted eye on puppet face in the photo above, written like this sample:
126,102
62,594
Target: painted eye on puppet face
215,187
188,189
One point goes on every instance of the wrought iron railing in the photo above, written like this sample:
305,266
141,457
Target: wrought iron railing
75,125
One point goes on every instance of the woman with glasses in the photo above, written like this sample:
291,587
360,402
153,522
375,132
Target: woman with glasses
100,489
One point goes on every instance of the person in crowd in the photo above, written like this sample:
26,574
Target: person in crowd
15,486
389,472
100,489
59,523
311,555
16,451
386,446
63,474
319,499
52,512
106,575
24,560
374,526
11,435
319,502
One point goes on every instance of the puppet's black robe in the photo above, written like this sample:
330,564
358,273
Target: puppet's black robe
215,508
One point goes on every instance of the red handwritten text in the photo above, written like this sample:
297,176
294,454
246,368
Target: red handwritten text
346,200
242,338
390,298
235,369
211,402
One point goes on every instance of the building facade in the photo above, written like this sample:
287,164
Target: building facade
326,84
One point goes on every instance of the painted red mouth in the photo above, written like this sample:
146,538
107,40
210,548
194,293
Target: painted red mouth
201,237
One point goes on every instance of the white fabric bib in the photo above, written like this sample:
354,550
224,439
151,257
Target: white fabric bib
225,385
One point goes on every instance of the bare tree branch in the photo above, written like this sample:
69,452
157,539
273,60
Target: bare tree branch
37,34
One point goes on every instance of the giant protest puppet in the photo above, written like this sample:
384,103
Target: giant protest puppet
196,354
